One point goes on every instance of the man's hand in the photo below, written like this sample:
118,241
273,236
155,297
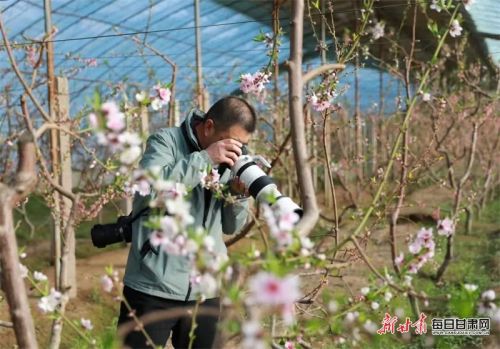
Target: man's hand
225,151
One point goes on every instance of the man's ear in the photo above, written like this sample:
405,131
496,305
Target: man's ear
209,128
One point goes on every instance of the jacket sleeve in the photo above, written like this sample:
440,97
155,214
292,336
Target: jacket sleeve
160,151
234,216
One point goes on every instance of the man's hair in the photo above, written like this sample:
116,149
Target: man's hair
232,110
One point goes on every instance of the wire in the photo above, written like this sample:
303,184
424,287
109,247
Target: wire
27,43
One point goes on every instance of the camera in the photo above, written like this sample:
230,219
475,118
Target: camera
261,186
107,234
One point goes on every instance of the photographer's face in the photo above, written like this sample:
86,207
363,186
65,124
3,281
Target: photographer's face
212,135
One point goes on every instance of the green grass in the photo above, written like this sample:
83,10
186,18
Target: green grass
476,261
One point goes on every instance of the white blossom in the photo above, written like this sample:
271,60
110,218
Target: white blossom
106,283
488,295
49,303
470,287
23,270
86,324
377,30
39,276
435,5
455,29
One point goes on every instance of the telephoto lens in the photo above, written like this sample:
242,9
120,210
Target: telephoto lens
261,186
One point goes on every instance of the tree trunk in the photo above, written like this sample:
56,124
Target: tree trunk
12,281
307,194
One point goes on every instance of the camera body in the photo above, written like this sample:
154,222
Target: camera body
107,234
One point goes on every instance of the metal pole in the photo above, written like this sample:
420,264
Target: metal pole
199,72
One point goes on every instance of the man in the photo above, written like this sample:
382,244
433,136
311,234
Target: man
155,280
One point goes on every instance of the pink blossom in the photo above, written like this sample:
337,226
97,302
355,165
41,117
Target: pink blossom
31,55
252,335
429,244
424,235
429,254
289,345
115,120
399,259
91,62
456,28
283,238
318,104
157,238
281,293
106,283
268,289
254,83
415,246
446,227
86,324
164,94
322,101
280,224
413,269
169,225
287,220
142,187
140,184
93,120
210,180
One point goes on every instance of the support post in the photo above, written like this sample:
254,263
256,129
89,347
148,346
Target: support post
199,71
68,259
54,145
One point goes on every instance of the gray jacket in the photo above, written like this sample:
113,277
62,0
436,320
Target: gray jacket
154,271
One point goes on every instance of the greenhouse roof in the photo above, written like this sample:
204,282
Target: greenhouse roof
93,45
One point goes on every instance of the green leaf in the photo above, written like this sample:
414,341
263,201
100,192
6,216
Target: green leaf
260,37
462,304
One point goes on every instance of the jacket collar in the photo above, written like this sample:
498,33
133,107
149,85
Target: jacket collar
188,124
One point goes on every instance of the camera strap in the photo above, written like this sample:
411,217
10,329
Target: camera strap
134,218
